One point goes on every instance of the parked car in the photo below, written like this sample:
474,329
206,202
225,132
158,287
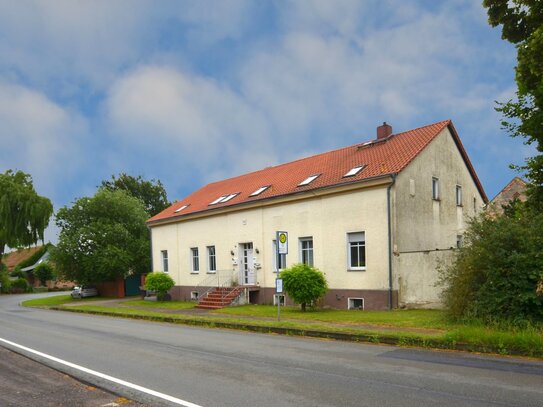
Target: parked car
84,291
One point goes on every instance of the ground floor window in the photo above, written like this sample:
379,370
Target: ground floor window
195,260
164,260
306,250
357,250
211,259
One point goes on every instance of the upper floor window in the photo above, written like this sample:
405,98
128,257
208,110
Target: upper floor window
195,260
435,188
458,195
306,250
282,258
211,259
164,260
357,250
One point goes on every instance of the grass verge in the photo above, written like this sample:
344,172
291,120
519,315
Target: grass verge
365,326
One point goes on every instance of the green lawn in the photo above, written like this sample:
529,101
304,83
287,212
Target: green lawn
431,319
171,305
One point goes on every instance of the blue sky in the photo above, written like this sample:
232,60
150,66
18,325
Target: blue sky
190,92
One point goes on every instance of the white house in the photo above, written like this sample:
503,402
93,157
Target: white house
376,217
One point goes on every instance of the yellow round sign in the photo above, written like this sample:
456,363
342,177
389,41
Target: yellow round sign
282,237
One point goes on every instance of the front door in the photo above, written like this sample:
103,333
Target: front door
247,264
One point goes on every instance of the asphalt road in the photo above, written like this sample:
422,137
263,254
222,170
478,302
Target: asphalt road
213,367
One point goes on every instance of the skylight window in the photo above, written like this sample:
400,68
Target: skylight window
260,190
355,170
180,209
309,180
224,198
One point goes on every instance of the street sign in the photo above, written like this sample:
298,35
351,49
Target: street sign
279,285
282,242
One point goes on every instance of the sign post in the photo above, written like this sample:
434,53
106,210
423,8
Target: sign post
278,291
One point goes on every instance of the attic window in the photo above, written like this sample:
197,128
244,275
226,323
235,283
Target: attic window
309,180
224,198
260,190
180,209
355,170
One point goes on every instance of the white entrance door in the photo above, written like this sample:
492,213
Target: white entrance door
247,264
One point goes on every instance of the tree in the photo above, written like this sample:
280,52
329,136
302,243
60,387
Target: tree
522,22
498,275
151,193
44,271
102,238
159,282
304,283
24,215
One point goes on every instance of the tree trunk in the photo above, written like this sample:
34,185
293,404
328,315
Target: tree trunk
303,306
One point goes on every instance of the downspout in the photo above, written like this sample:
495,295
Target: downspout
390,241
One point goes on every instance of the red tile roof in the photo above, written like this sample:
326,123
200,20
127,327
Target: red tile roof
380,158
12,259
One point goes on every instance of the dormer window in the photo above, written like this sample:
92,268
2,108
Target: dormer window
260,190
180,209
355,170
309,180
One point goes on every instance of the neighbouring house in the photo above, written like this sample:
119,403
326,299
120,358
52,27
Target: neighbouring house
516,189
377,217
28,259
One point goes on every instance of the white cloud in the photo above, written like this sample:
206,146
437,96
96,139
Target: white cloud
39,137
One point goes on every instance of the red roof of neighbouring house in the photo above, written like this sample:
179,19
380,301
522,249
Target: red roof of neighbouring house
12,259
379,158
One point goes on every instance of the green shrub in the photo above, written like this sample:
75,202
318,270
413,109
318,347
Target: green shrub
17,272
5,282
44,272
497,277
304,284
159,282
20,286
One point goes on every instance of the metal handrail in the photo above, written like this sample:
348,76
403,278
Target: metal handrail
221,278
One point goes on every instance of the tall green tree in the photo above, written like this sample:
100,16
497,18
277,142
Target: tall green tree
24,215
151,193
102,238
522,24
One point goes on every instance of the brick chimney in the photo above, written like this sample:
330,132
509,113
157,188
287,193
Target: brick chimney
384,131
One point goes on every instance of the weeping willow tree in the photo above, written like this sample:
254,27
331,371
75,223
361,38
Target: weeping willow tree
24,215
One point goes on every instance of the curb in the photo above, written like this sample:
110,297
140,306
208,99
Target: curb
372,338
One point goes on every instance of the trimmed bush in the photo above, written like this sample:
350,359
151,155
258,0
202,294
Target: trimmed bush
44,272
20,286
159,282
304,284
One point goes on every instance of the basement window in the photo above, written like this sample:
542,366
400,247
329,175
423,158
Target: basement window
280,298
309,180
353,171
356,303
180,209
260,190
194,295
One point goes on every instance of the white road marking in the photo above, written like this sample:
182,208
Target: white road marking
104,376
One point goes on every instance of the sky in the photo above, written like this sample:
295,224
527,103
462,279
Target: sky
190,92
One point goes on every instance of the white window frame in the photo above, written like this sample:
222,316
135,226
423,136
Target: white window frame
194,295
211,253
351,299
435,188
351,236
283,261
194,255
355,170
458,195
311,250
165,265
260,190
281,299
309,180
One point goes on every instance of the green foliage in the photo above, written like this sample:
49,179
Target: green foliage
159,282
102,238
522,22
5,281
151,193
304,283
24,215
498,276
18,272
35,257
20,286
44,272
